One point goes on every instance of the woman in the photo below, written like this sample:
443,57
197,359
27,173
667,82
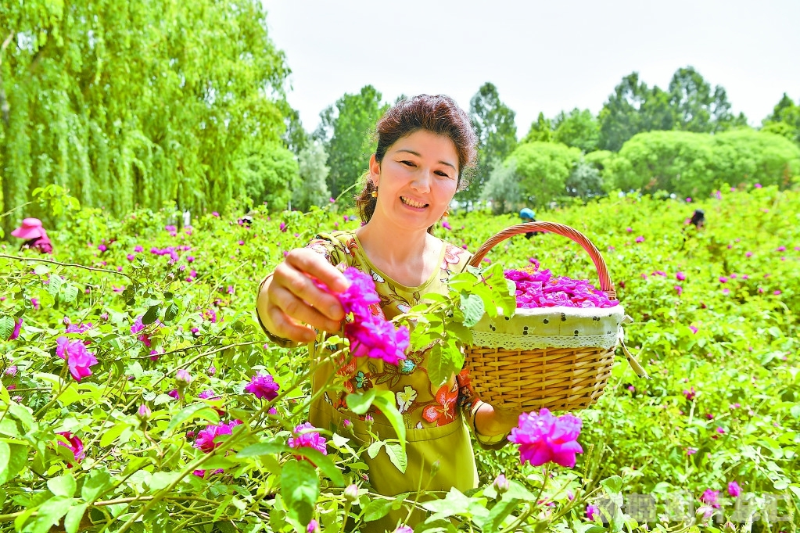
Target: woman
425,145
34,236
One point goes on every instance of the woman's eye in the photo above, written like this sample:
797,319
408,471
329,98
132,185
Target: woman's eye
443,174
408,163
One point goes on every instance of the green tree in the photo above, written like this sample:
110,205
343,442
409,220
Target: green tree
269,176
313,188
497,135
543,169
502,187
578,129
346,132
784,120
695,164
697,108
136,103
584,181
541,130
620,118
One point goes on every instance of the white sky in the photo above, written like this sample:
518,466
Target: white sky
542,56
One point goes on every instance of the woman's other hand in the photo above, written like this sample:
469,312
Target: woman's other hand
289,303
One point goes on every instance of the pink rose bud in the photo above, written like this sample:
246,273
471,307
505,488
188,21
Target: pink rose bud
501,484
182,375
144,412
351,493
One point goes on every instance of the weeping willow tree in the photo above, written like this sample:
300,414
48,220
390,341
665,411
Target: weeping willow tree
133,104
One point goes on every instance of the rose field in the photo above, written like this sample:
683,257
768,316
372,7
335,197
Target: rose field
140,394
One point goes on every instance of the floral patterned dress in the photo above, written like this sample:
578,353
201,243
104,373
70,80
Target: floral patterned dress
440,454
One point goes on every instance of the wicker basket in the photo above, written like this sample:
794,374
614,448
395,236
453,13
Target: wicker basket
523,371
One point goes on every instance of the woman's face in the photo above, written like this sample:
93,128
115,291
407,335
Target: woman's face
416,180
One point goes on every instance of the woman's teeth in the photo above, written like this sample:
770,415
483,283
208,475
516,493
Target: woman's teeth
412,203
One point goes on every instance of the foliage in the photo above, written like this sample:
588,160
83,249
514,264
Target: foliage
269,176
541,130
692,164
346,132
734,342
578,129
584,181
543,169
502,189
313,189
497,135
136,105
784,120
689,104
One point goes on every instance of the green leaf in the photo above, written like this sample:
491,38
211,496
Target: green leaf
397,455
70,293
360,403
171,313
518,492
498,513
5,457
443,362
62,485
384,400
97,482
111,434
196,410
263,448
160,480
377,509
299,490
73,519
55,285
473,308
17,460
22,414
324,463
41,270
613,484
151,315
49,514
6,327
375,448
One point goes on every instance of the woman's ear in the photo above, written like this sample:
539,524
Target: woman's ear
374,170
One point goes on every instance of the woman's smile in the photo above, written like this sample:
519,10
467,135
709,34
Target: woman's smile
415,205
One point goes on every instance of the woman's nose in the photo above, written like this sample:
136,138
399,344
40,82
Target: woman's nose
422,180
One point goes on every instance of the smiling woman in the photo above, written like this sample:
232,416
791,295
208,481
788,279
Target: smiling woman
425,145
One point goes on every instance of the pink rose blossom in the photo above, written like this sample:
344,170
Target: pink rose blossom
690,393
693,328
74,444
734,489
206,438
543,438
711,497
263,385
680,276
17,326
308,439
640,239
592,512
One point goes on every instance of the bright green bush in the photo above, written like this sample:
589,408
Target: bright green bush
735,342
695,164
543,169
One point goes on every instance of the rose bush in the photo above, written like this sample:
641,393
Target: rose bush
138,393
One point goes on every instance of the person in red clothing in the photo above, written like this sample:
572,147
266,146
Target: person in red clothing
34,235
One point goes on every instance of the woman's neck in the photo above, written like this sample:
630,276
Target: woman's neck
408,257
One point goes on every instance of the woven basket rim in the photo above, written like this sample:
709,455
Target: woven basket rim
562,309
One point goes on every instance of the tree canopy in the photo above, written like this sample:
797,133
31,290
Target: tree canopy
346,130
137,104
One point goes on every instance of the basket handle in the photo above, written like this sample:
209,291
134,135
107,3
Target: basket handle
551,227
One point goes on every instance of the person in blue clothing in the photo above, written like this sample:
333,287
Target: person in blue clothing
527,215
